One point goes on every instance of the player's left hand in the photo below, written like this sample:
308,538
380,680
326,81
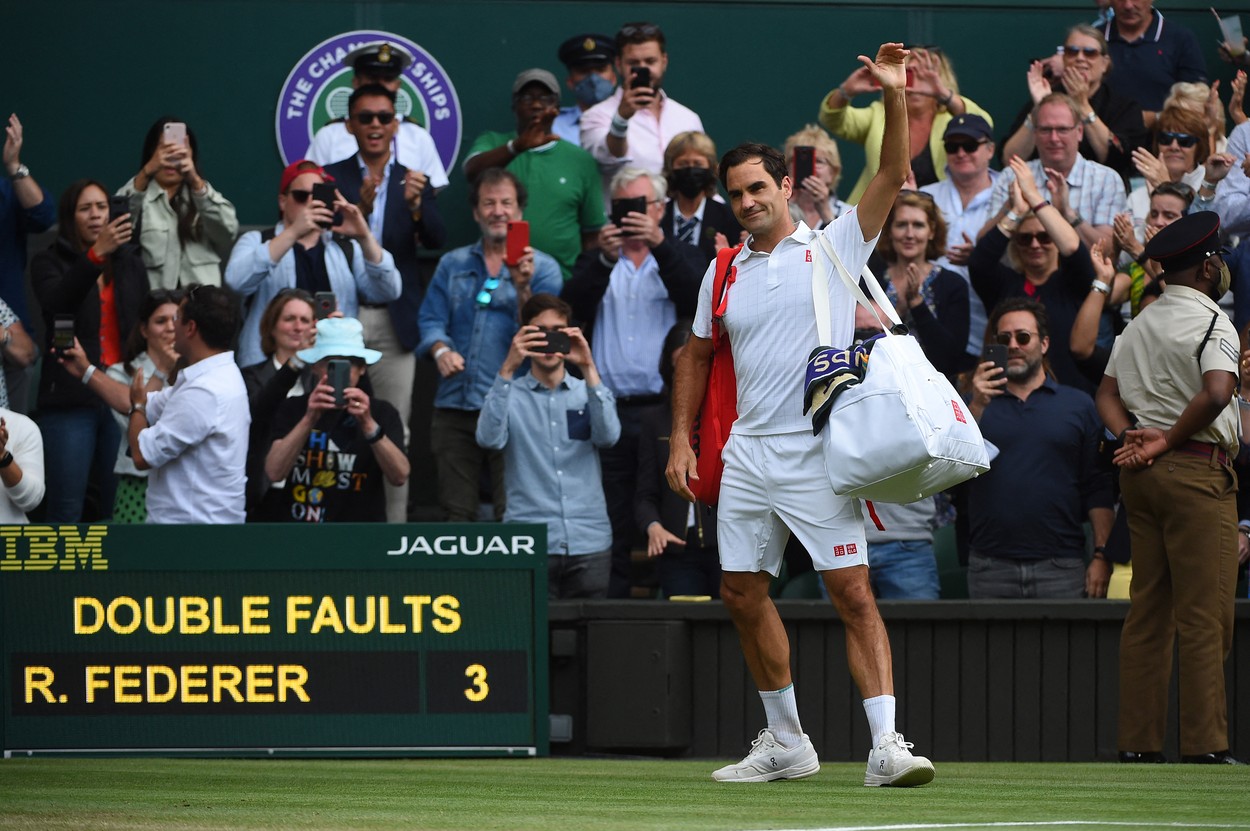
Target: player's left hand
889,66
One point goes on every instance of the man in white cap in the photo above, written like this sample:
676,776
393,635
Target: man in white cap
333,448
382,63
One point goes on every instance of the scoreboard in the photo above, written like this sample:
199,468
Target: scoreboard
339,640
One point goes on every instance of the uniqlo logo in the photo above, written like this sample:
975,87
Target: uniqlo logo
839,551
809,255
852,549
959,412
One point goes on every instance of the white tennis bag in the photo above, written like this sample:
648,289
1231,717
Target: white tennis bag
903,433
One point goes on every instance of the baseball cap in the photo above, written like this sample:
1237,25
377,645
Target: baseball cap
536,76
296,168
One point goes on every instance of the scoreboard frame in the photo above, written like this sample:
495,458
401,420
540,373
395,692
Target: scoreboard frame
274,640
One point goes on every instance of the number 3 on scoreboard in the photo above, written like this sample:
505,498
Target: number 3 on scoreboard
477,675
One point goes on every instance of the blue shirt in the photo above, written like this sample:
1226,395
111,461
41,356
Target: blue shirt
568,124
378,213
481,334
15,223
550,439
1036,496
634,318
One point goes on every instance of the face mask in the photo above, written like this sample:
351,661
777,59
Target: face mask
592,89
691,181
1224,282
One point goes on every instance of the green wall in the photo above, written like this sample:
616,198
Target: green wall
87,78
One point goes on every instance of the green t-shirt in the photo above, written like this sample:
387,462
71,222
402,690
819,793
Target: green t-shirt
565,194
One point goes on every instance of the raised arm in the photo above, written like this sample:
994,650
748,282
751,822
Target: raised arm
878,198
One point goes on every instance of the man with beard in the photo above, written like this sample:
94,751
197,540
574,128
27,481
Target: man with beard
566,198
635,125
1175,370
1047,435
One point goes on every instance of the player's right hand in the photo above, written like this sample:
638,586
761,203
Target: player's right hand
683,465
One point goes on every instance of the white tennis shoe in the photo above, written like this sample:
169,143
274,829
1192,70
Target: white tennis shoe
892,764
769,760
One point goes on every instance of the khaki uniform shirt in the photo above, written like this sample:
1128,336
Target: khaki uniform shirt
1156,364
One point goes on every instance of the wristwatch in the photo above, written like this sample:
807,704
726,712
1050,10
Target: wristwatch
21,173
1099,285
1076,221
1091,118
139,408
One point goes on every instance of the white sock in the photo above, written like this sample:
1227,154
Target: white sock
880,712
783,715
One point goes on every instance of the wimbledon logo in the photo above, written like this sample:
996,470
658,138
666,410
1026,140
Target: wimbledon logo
319,85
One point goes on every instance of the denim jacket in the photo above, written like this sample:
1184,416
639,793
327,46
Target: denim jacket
481,333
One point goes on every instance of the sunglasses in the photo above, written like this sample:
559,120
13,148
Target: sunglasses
488,288
1183,139
1021,337
1026,240
300,196
969,147
643,29
1073,51
368,117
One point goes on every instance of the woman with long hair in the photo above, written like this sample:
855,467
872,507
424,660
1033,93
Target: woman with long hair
186,227
92,279
150,350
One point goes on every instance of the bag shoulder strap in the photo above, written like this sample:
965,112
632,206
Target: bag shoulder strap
722,279
820,291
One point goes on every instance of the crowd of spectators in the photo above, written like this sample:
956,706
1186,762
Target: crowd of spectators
616,214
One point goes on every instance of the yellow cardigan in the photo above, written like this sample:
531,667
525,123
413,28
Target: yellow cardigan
866,126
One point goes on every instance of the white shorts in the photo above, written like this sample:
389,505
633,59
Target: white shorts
775,483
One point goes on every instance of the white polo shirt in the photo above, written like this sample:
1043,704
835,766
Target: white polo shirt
771,321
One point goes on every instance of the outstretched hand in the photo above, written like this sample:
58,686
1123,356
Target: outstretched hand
889,67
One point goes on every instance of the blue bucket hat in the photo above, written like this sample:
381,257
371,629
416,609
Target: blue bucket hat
339,337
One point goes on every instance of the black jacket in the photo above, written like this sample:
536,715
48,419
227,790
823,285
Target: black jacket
64,281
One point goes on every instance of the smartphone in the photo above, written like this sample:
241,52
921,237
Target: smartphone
558,342
118,206
997,353
621,207
324,304
804,163
640,76
62,333
338,375
176,133
518,240
324,192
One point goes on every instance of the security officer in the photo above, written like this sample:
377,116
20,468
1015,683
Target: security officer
591,77
1175,369
380,62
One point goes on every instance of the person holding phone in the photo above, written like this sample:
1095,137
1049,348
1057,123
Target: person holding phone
187,227
552,465
639,120
306,250
467,322
93,272
402,209
149,349
815,195
933,99
331,449
626,296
